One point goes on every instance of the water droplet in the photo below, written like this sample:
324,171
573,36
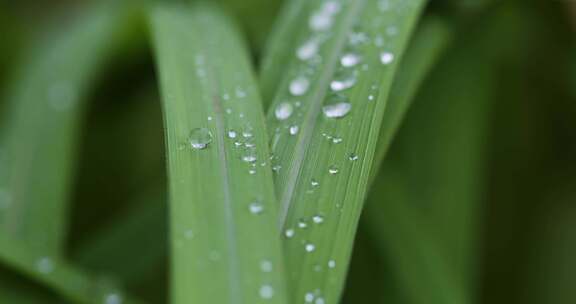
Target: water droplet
225,96
318,219
247,134
240,93
331,264
314,183
319,301
299,86
309,297
349,60
266,292
228,111
256,207
266,266
333,170
343,81
386,58
232,134
200,138
209,118
336,140
320,21
294,130
289,233
302,224
337,110
283,111
276,168
370,97
309,247
45,265
307,50
353,157
252,171
113,298
249,158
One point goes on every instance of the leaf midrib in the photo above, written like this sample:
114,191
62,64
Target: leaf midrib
311,117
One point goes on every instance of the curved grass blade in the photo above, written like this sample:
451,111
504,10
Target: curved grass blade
40,132
324,125
222,206
65,280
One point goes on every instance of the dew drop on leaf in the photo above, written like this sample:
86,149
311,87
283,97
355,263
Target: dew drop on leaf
266,292
349,60
337,110
200,138
256,207
299,86
283,111
293,130
333,170
309,247
386,58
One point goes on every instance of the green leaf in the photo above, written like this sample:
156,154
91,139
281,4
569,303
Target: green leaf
343,58
41,129
222,206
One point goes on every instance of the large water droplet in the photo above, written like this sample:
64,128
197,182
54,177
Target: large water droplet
283,111
299,86
338,109
200,138
350,60
386,58
266,292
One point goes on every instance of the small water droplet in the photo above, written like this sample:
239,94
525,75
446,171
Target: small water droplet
370,97
266,292
247,134
307,50
294,130
232,134
289,233
249,158
283,111
200,138
309,297
386,58
299,86
353,157
266,266
240,93
331,264
319,301
276,168
252,171
320,22
209,118
314,183
336,140
45,265
302,224
333,170
309,247
349,60
337,110
256,207
318,219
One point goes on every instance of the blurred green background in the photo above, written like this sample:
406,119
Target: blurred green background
475,202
